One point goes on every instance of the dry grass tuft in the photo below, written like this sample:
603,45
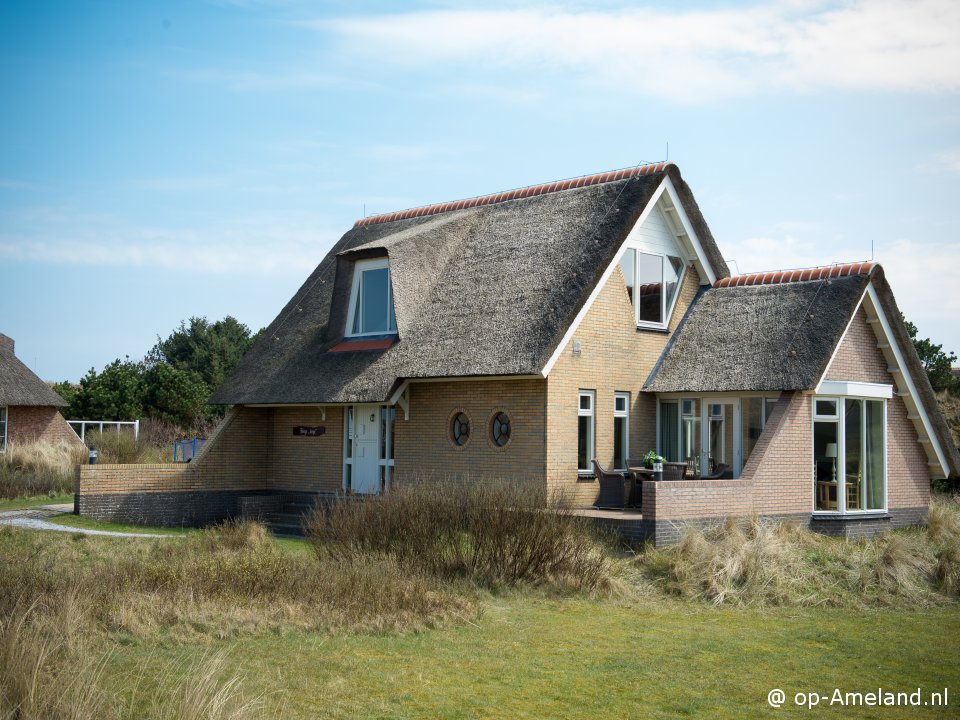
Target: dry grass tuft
760,562
36,469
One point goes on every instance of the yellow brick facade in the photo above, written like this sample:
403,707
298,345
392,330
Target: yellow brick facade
614,357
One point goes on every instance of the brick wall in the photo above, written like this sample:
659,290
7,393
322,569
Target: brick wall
29,424
424,448
234,463
307,464
615,357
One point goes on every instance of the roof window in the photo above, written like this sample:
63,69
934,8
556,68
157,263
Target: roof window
371,299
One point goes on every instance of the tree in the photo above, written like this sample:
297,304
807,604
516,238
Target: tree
935,361
211,350
177,396
114,394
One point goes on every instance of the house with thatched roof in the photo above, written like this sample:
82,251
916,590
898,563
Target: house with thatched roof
29,409
558,331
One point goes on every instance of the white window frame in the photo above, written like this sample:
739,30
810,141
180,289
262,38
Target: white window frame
359,268
4,420
666,312
591,413
840,419
625,415
387,463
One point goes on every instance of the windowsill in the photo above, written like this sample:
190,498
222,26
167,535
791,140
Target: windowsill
654,328
584,475
850,515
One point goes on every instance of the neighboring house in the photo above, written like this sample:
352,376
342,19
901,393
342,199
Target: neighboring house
29,409
523,334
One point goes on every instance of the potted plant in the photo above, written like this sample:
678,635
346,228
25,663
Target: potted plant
655,463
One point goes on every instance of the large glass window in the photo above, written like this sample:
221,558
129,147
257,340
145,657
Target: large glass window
621,430
652,282
371,306
585,431
690,432
849,455
3,429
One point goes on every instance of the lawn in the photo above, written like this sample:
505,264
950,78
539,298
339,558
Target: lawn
537,657
29,502
443,620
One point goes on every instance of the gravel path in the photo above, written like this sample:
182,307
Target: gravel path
37,519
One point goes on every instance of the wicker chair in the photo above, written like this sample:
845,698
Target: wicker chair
718,472
611,487
674,471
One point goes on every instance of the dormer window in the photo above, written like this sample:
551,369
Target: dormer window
652,284
371,299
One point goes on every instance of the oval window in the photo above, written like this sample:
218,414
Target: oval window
500,429
460,429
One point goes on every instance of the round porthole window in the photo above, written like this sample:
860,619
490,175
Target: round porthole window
460,429
500,429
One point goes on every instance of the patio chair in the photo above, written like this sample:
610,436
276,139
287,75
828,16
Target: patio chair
674,471
611,487
718,472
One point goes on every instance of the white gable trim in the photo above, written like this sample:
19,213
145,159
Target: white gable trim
667,188
855,389
870,302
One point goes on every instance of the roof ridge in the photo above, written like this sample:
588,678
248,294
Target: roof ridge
819,272
517,193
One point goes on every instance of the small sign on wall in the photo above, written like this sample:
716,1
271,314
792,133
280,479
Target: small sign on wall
309,430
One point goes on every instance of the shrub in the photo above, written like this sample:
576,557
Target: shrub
492,533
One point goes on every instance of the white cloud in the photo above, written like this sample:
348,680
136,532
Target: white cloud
946,161
251,245
683,55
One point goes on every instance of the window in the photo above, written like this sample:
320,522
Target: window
652,281
585,431
621,430
500,429
3,429
388,423
849,455
371,299
690,432
460,429
669,435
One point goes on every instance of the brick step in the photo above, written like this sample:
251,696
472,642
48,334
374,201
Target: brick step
289,518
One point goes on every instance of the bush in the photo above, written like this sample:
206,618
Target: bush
492,533
37,469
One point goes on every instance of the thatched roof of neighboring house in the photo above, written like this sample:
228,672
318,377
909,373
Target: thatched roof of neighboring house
486,286
18,384
778,331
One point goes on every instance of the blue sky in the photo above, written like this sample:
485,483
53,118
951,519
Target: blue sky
162,160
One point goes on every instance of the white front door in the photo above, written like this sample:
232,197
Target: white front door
366,449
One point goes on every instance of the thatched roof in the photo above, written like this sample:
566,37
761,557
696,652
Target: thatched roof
758,336
481,287
778,331
18,384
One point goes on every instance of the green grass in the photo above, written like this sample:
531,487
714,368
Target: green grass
536,657
29,502
78,521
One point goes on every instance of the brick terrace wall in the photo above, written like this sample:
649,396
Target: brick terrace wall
777,479
306,464
29,424
615,357
234,463
424,449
